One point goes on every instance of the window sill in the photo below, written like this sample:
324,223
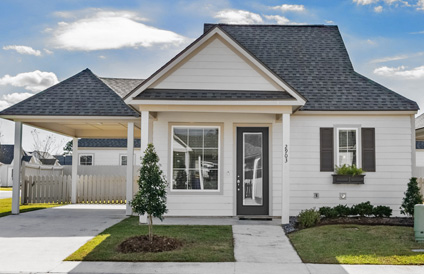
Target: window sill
348,179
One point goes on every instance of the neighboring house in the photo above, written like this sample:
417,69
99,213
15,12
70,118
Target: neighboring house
102,152
247,120
419,136
6,168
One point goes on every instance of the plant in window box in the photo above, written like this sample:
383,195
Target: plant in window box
347,174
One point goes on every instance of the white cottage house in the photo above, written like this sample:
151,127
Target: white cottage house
247,120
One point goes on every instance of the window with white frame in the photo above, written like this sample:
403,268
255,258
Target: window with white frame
347,146
86,160
195,158
123,160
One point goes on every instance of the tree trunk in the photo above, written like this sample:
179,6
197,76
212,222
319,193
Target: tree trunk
150,228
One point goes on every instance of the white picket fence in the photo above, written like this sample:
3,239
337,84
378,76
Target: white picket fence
46,189
97,189
101,189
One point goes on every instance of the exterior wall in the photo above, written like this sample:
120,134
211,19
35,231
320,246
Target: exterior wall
108,156
420,157
216,66
6,175
222,203
383,187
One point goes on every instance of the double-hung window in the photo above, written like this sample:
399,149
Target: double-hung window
195,158
347,146
86,160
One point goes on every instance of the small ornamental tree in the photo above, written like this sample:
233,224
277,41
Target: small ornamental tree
151,197
412,197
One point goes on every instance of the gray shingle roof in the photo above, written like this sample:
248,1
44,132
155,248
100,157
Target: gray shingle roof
118,143
83,94
121,86
6,154
314,61
176,94
419,122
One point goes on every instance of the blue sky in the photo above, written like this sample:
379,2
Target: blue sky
44,41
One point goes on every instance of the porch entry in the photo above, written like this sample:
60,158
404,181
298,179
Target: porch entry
252,178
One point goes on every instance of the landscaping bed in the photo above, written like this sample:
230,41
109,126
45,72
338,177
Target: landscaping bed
357,244
192,244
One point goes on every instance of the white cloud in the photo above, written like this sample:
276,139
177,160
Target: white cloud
402,71
378,9
329,22
23,50
365,2
418,32
10,99
420,5
231,16
102,57
286,7
397,57
100,30
279,19
48,51
34,81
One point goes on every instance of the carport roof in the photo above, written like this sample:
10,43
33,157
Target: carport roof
83,94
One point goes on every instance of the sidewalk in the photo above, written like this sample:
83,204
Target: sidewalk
37,242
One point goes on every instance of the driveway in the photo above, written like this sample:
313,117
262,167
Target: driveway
38,241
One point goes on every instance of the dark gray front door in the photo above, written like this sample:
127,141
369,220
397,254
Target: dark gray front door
252,171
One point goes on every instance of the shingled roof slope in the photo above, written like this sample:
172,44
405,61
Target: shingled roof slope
6,154
419,122
83,94
118,143
314,61
243,95
122,86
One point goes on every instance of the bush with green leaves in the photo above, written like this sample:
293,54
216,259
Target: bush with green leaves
328,212
382,211
348,170
363,209
151,197
343,210
308,218
412,197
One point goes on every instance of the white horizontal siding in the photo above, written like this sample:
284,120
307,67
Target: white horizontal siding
108,157
385,186
216,67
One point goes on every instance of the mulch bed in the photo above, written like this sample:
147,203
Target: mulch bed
142,244
293,225
399,221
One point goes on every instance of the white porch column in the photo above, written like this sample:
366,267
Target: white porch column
17,161
145,133
74,170
285,190
130,167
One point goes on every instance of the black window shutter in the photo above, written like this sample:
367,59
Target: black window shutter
327,149
368,149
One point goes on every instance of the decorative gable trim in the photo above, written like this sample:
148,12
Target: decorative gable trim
300,100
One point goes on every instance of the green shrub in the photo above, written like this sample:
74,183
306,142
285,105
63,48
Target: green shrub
363,209
382,211
342,210
348,170
308,218
412,197
328,212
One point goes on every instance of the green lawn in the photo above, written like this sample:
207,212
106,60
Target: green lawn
9,188
201,244
357,244
6,207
